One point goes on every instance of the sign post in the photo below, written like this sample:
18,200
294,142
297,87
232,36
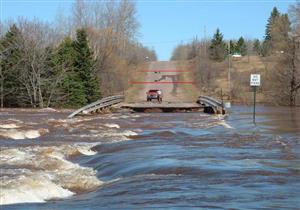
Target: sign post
254,82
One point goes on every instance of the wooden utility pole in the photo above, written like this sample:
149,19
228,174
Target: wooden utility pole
229,76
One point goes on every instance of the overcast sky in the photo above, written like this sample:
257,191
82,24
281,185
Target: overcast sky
166,23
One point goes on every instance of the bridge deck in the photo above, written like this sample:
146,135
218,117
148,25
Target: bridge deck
164,106
208,104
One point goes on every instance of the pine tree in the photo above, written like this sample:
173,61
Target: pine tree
241,46
72,87
85,66
218,50
9,63
274,14
232,47
257,47
266,46
279,33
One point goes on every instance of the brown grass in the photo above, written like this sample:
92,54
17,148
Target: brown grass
240,80
241,92
190,91
136,74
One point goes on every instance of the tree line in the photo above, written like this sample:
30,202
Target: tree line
217,48
278,50
73,61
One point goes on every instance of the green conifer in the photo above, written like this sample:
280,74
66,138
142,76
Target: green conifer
232,47
257,47
241,46
266,46
10,62
85,65
72,87
218,49
274,14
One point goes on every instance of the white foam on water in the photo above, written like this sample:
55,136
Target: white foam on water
31,187
86,149
22,134
124,134
220,116
12,134
11,125
71,120
278,139
47,173
115,117
220,121
114,136
127,133
13,120
112,125
32,134
73,123
223,123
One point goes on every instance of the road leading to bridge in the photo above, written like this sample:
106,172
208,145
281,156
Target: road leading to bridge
163,80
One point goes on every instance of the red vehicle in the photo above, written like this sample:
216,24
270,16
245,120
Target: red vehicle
154,94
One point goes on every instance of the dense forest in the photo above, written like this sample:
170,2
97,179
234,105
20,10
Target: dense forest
72,61
276,57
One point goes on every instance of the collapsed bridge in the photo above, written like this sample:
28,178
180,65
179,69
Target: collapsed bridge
205,103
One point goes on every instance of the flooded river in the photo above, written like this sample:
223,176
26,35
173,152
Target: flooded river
150,160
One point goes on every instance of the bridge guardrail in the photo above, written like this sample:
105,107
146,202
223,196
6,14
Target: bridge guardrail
211,101
104,102
215,104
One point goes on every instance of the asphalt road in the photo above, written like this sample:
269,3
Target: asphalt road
163,80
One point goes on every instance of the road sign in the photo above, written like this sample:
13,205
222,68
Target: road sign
255,80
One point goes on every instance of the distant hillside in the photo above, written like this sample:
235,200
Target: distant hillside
211,78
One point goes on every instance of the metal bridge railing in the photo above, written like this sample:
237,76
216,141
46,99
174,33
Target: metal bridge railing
215,104
102,103
210,101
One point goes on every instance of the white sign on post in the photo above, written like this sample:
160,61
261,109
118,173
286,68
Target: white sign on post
255,80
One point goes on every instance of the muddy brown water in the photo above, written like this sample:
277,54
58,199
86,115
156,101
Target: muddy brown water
151,160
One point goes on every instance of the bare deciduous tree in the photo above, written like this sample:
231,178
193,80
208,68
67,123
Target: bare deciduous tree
285,76
33,75
294,13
